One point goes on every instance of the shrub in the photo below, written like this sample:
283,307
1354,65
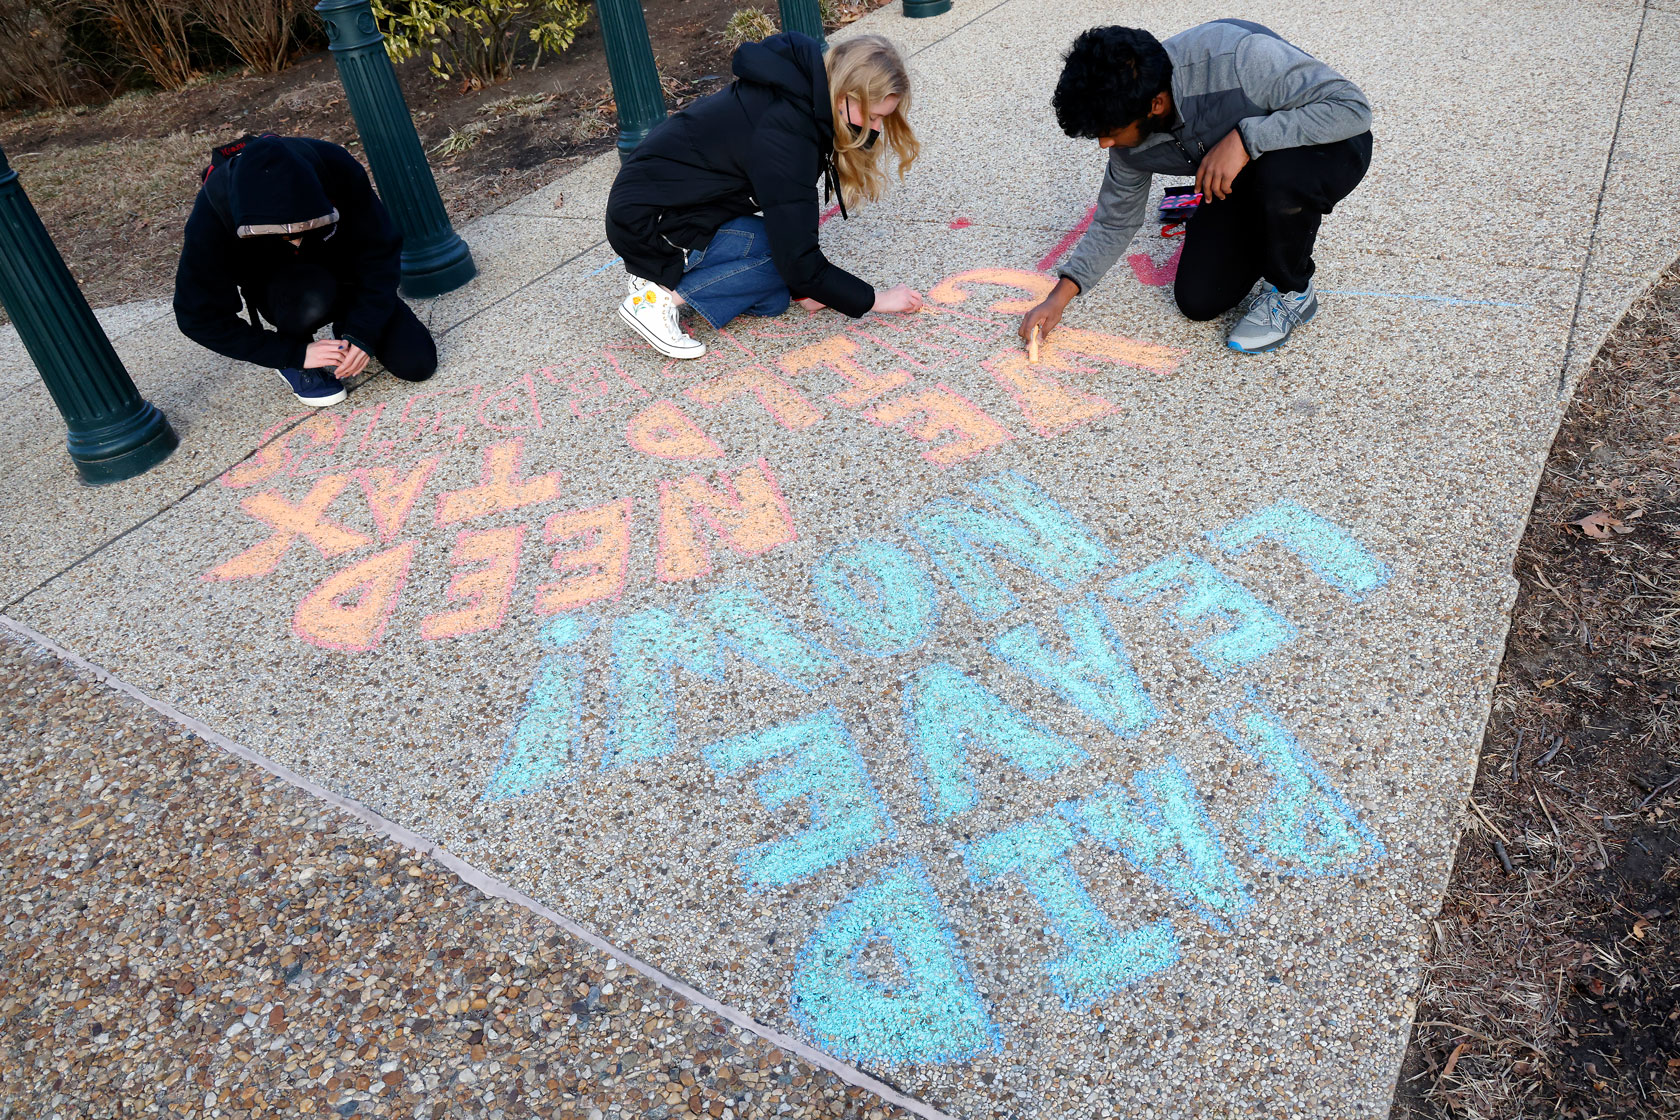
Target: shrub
477,42
261,32
34,54
153,35
747,25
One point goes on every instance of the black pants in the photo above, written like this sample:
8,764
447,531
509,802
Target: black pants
1265,228
303,298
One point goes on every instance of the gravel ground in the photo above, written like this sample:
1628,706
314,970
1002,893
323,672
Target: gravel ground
185,935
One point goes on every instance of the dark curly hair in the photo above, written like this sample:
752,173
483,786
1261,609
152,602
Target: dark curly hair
1109,77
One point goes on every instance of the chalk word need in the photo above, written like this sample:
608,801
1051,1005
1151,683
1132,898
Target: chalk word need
879,599
915,379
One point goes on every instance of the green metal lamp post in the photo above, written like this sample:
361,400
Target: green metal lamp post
635,76
917,9
434,258
115,433
805,17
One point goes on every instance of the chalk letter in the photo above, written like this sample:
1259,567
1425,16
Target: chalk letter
823,766
390,497
550,729
945,713
1097,678
1325,547
290,522
663,430
836,353
877,597
499,488
598,569
928,1011
487,590
1256,629
323,619
782,401
1166,834
648,645
1100,960
942,409
747,512
1305,828
1029,529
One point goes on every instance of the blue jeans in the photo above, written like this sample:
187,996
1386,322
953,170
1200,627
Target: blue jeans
734,275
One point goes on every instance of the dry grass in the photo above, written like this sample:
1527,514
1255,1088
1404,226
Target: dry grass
1554,980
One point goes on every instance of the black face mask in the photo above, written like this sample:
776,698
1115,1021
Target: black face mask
868,141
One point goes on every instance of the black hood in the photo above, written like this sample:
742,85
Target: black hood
792,65
274,191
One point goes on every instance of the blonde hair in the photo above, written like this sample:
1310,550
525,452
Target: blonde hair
868,69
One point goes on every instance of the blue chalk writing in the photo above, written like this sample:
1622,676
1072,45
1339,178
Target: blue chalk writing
550,729
1097,678
946,713
1325,547
877,597
1256,629
1100,960
1028,529
649,645
1165,833
928,1012
1305,828
822,765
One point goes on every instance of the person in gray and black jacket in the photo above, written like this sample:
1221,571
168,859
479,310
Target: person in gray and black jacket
1274,137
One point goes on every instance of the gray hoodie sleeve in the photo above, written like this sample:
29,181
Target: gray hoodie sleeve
1120,208
1306,102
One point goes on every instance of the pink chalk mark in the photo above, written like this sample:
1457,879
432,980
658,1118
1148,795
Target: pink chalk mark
829,213
1050,259
961,223
1152,274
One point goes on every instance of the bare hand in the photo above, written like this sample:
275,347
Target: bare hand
901,298
1220,166
1047,316
326,354
355,361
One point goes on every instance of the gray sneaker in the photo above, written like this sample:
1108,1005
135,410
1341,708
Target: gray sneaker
1269,315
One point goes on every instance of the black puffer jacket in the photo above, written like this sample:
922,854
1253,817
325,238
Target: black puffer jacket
760,145
275,183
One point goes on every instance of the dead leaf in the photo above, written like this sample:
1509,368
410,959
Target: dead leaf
1452,1059
1600,526
559,201
1639,928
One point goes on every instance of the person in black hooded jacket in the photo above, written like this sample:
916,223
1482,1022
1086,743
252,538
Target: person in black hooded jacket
718,208
290,229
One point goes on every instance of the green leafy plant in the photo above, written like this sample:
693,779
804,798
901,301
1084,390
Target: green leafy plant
477,42
747,25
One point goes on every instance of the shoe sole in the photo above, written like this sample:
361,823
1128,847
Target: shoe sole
658,343
1279,343
314,402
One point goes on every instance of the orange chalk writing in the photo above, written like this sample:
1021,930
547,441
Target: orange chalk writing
306,519
782,401
1037,285
595,570
746,512
1114,348
1048,407
391,495
942,410
486,590
500,487
350,609
665,431
836,354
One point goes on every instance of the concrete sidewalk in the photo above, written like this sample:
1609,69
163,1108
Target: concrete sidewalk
1055,741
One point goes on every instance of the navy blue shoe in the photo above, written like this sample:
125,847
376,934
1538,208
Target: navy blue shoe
315,387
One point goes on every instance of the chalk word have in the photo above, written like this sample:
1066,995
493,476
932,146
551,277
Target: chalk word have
879,600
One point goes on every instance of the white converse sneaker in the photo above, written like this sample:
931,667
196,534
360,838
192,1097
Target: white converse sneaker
653,313
1269,316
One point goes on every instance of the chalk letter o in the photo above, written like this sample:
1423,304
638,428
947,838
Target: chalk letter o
879,599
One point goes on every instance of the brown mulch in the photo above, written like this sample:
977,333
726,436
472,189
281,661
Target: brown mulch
1554,988
114,184
181,934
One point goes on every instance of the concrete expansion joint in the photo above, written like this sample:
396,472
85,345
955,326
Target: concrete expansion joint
484,882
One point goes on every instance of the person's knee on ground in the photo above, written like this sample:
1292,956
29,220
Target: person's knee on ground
408,350
1199,304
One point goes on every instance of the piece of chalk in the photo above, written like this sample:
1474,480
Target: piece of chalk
1032,346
